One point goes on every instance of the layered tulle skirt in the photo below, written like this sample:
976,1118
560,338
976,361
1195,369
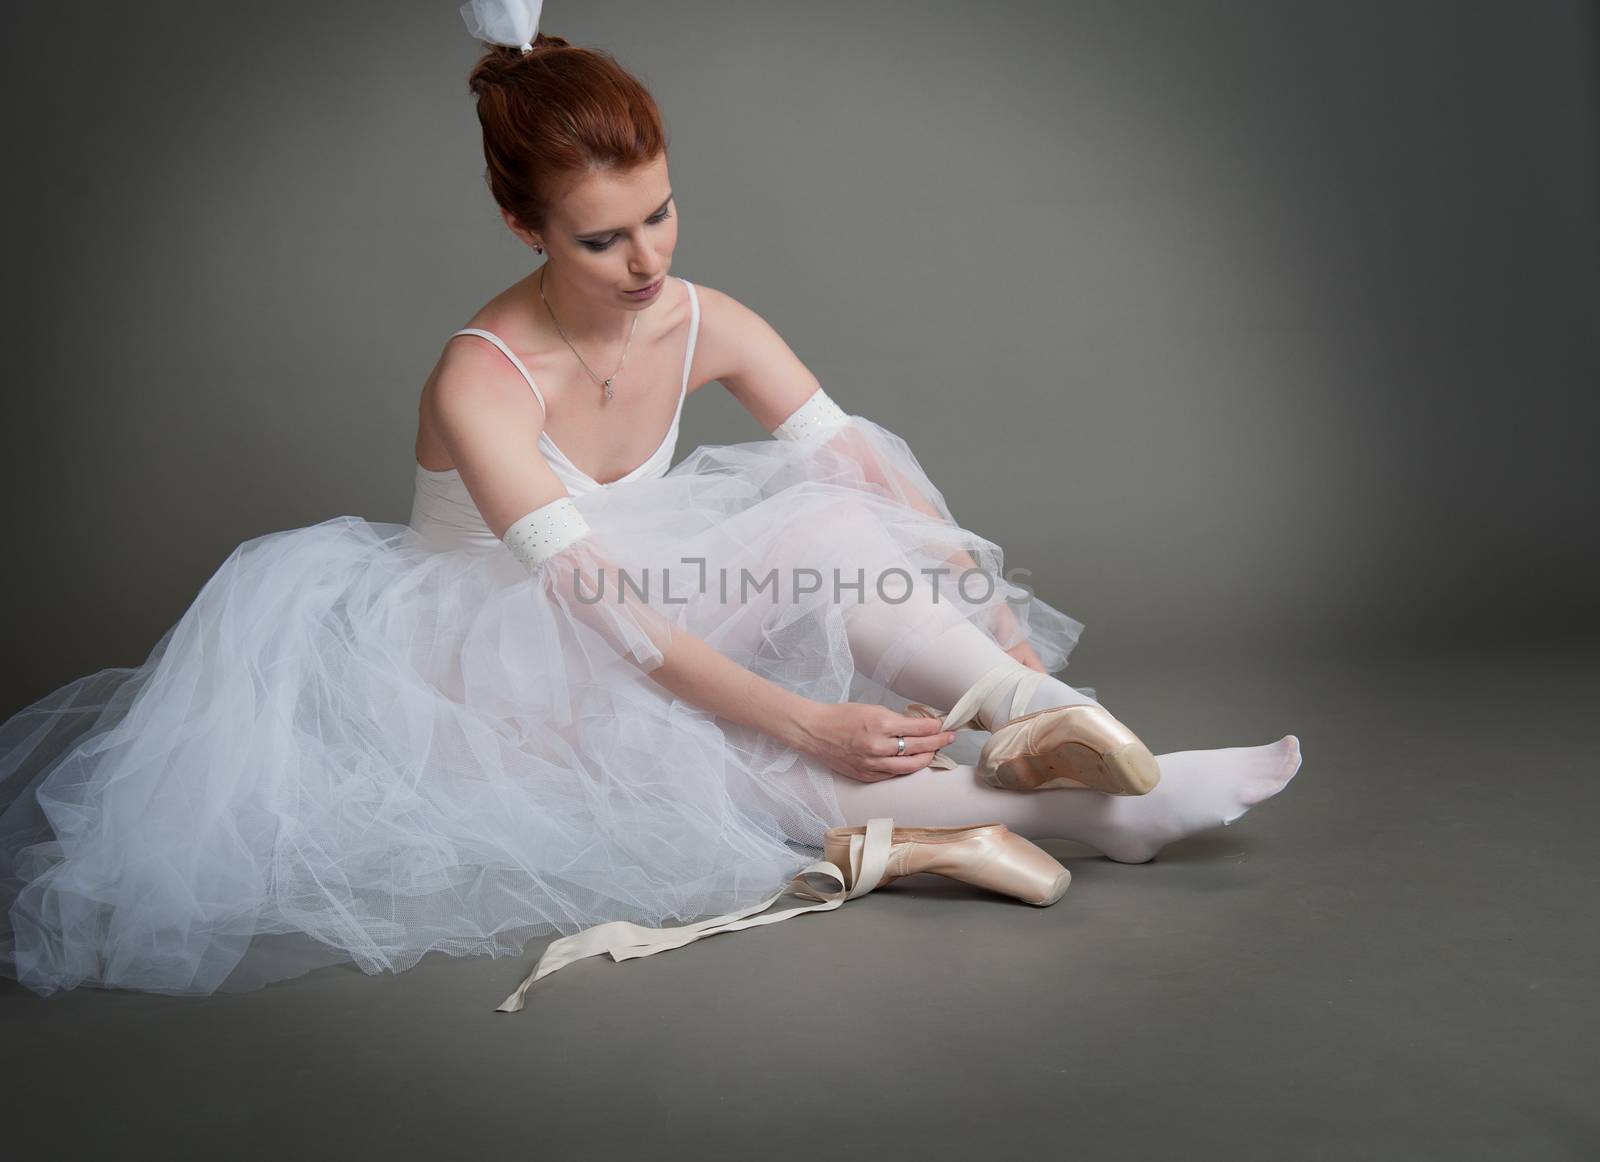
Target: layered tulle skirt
360,743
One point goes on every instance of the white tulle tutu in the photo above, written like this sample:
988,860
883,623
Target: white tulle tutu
365,741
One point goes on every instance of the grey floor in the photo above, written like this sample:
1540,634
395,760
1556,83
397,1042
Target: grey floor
1396,958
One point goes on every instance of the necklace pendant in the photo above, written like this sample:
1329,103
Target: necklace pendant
609,392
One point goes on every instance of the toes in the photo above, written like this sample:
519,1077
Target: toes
1265,786
1291,759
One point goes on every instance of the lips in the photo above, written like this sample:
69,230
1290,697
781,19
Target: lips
645,287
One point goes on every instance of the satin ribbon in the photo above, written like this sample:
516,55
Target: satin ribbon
965,712
869,854
621,940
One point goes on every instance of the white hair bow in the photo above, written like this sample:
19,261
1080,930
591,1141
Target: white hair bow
509,22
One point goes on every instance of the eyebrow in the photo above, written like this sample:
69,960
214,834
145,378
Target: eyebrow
619,229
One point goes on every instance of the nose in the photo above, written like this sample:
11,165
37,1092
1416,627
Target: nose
647,264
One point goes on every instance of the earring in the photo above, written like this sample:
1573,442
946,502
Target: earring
537,249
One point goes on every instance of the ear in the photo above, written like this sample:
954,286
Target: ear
517,228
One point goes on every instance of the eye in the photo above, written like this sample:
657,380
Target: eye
606,245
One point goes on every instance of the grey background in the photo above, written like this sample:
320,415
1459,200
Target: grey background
1244,326
1265,334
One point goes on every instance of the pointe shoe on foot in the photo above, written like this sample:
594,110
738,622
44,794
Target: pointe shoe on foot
859,859
1068,746
1079,745
986,855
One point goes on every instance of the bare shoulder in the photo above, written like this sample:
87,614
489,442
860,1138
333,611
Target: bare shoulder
740,349
482,416
730,333
473,384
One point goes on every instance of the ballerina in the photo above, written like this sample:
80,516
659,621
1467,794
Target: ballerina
580,685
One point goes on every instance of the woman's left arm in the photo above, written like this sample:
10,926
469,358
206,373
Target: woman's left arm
741,350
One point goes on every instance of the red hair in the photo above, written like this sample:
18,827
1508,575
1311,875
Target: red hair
554,113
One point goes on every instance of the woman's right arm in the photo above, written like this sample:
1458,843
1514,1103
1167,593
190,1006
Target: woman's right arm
490,423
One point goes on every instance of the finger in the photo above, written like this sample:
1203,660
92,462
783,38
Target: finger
890,748
927,744
909,725
892,768
914,763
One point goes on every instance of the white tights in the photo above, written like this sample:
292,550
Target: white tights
1199,789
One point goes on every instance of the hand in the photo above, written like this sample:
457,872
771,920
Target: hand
1025,654
857,740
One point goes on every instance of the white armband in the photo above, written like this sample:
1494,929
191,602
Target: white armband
817,414
546,531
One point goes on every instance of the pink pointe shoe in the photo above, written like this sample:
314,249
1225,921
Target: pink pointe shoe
857,861
1078,745
986,855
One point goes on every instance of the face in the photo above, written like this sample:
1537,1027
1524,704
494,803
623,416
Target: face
609,233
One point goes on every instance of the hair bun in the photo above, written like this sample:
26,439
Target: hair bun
550,116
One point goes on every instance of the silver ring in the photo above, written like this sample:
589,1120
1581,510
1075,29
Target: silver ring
902,749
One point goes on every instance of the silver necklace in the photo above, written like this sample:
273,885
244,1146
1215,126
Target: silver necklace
606,383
